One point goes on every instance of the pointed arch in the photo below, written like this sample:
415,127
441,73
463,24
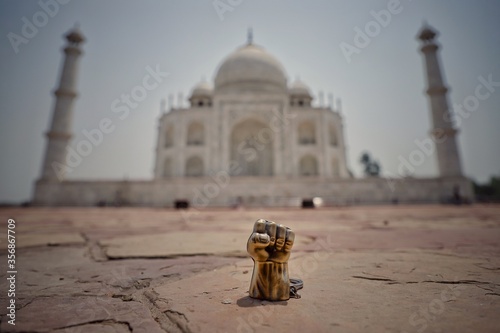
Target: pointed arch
169,136
333,136
252,148
194,167
195,134
308,166
167,168
335,168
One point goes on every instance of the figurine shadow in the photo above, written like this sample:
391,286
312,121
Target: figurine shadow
248,302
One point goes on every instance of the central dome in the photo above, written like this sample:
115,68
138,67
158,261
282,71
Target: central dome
251,67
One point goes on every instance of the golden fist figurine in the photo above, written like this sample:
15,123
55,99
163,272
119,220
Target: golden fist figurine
269,246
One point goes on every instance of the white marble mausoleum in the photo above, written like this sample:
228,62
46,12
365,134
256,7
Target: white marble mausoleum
251,137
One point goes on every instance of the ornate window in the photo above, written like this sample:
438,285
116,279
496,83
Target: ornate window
307,133
195,134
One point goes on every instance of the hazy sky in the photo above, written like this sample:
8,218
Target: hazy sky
384,107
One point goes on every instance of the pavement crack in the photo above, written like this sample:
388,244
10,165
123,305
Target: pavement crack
482,265
179,319
159,257
391,281
493,294
104,321
95,250
474,282
149,298
487,289
27,303
374,278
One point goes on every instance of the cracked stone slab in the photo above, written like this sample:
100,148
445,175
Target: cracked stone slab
369,269
59,313
182,243
402,292
56,271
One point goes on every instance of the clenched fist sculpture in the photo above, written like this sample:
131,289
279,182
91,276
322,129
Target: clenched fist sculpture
269,246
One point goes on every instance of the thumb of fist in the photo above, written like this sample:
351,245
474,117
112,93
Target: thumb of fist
261,238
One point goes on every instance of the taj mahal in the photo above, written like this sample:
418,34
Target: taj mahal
250,137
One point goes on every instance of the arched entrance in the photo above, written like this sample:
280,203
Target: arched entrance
194,167
252,149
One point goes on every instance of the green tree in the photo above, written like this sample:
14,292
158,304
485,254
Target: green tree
489,192
371,167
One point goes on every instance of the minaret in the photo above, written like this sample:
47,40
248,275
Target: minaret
443,131
59,135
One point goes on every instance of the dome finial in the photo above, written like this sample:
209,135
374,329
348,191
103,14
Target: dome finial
250,36
426,33
74,36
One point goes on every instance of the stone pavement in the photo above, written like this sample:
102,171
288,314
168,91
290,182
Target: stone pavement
365,269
